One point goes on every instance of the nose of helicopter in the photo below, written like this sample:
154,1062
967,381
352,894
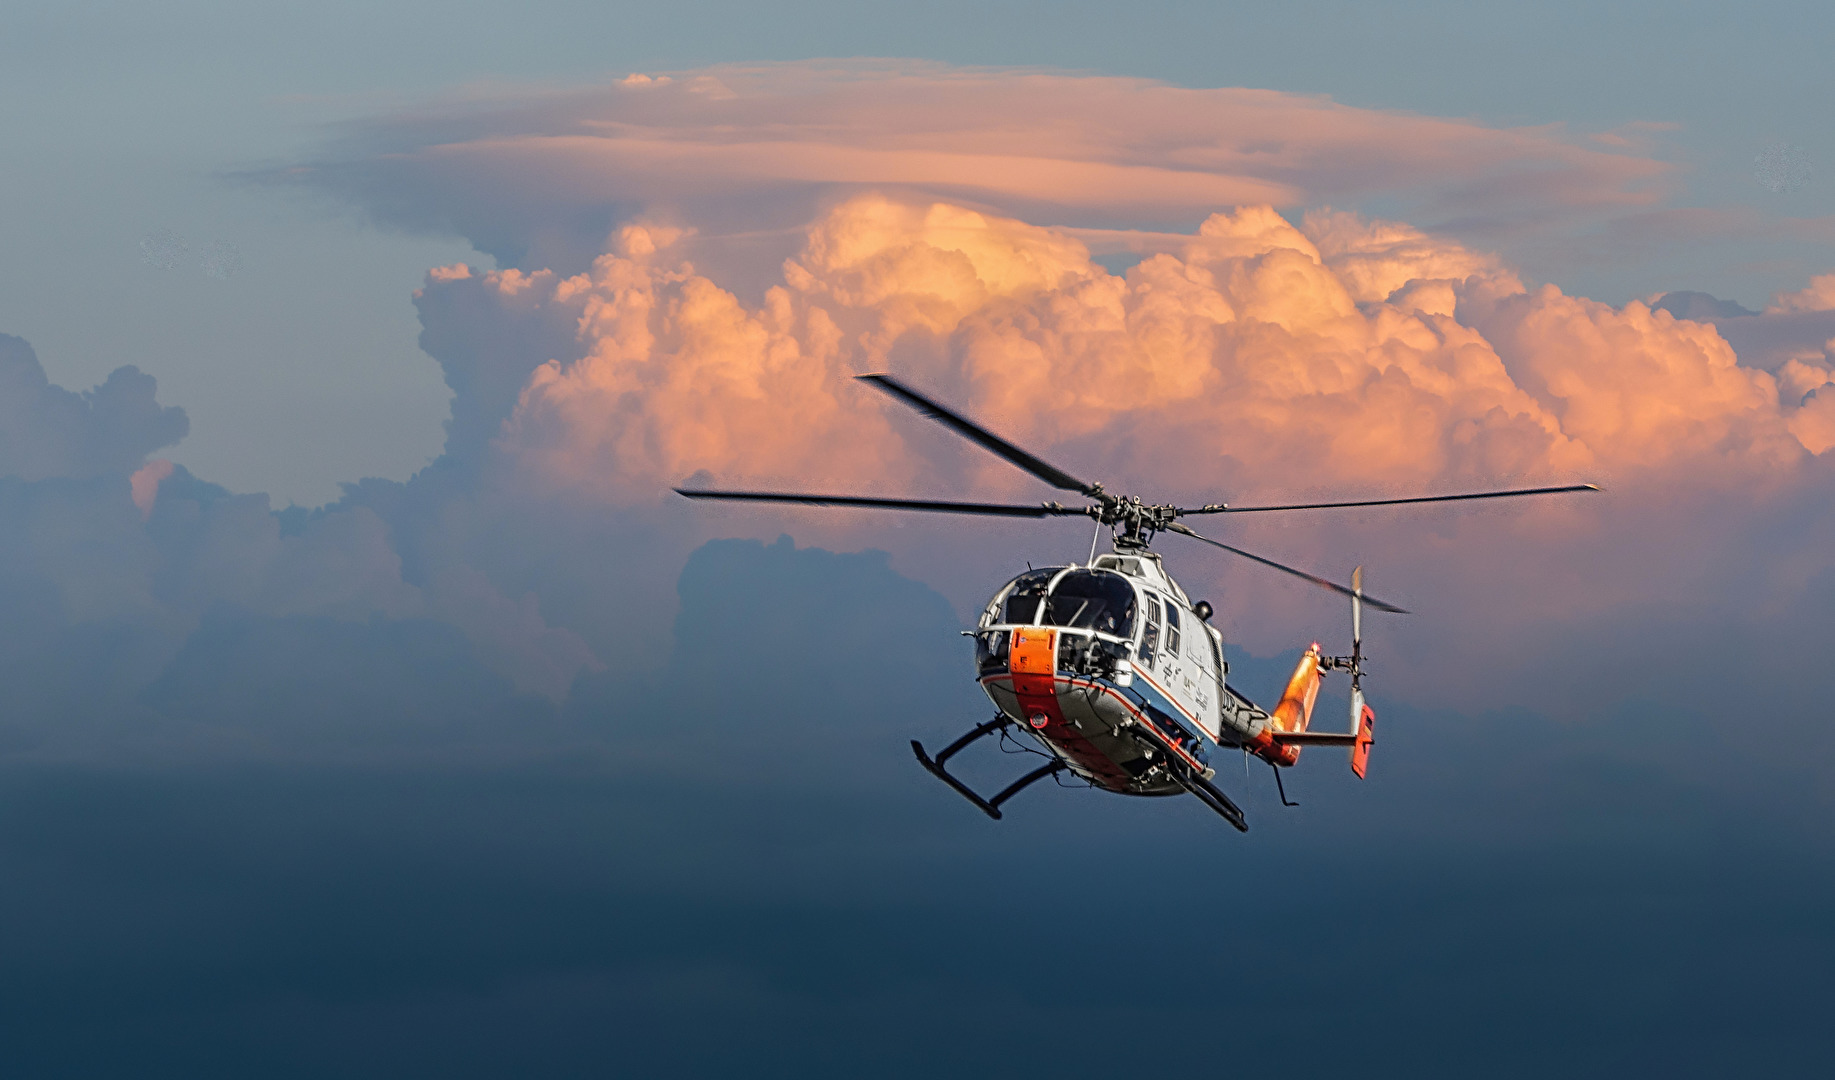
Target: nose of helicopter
1034,651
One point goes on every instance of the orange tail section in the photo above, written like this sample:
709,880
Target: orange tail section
1365,718
1293,713
1296,708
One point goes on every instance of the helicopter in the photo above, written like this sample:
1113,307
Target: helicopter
1109,666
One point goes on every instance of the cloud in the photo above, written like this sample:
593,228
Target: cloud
1368,352
1253,358
144,484
1258,360
47,431
756,261
1819,296
693,266
759,147
110,563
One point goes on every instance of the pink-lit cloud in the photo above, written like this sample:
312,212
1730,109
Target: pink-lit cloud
758,147
1818,296
1369,352
1258,360
730,249
692,265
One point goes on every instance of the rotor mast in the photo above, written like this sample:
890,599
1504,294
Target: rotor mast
1133,521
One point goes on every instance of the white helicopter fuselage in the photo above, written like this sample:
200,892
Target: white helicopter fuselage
1114,670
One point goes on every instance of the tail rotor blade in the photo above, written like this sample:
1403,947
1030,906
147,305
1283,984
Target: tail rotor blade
1357,612
1323,583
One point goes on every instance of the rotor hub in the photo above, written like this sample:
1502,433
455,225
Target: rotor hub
1134,522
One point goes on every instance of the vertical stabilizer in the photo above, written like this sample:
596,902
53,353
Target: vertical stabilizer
1363,722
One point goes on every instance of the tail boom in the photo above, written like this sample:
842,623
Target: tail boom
1279,741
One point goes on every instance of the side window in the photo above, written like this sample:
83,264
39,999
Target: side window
1172,632
1150,637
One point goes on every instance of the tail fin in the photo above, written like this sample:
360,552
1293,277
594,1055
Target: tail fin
1363,722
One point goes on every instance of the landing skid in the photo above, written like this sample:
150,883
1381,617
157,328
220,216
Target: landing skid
990,807
1194,782
1208,794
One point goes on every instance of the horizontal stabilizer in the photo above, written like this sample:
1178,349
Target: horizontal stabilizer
1313,738
1359,740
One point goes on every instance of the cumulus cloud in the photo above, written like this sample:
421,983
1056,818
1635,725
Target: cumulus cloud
110,562
47,431
1794,335
693,265
1371,353
1257,360
1819,296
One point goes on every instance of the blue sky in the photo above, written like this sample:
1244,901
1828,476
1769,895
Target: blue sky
375,710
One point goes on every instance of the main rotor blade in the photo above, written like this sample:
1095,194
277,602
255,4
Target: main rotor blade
1041,510
1224,508
979,435
1315,579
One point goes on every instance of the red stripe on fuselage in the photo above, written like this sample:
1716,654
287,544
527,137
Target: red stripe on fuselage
1148,720
1165,693
1039,695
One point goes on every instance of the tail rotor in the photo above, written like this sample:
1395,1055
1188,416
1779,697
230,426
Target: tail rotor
1363,718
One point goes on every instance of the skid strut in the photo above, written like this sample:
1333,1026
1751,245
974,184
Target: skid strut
990,807
1194,782
1209,794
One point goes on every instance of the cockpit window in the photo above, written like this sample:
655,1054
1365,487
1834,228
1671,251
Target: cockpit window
1092,600
1024,595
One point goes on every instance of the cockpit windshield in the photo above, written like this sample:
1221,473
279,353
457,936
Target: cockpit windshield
1092,600
1025,594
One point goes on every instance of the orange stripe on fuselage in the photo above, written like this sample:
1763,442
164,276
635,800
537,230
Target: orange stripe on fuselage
1040,659
1032,664
1032,673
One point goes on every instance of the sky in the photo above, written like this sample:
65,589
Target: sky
377,709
